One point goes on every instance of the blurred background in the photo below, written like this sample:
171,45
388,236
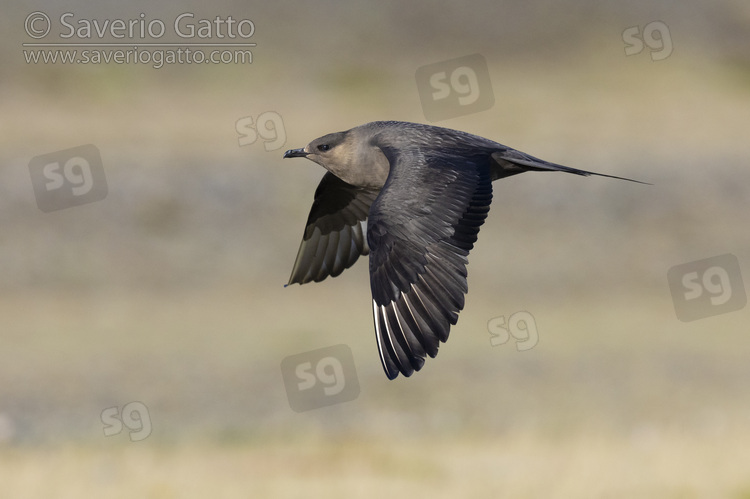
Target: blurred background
143,331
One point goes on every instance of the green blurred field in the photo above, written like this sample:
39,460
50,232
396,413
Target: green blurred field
611,403
587,465
170,290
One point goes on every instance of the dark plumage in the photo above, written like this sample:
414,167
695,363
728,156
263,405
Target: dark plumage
413,197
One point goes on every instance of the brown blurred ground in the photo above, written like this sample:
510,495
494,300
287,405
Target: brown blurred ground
169,291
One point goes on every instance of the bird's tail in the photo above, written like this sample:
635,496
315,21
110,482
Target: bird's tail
516,160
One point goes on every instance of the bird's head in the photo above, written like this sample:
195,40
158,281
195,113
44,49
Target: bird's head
348,156
329,151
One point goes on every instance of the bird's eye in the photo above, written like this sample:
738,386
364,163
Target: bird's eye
323,147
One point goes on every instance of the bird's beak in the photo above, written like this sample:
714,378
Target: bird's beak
296,153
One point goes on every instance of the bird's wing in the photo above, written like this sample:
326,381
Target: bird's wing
420,231
335,232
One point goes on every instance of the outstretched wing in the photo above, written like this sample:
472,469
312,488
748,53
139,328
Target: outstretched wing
335,232
421,228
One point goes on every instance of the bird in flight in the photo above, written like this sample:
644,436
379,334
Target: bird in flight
413,197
